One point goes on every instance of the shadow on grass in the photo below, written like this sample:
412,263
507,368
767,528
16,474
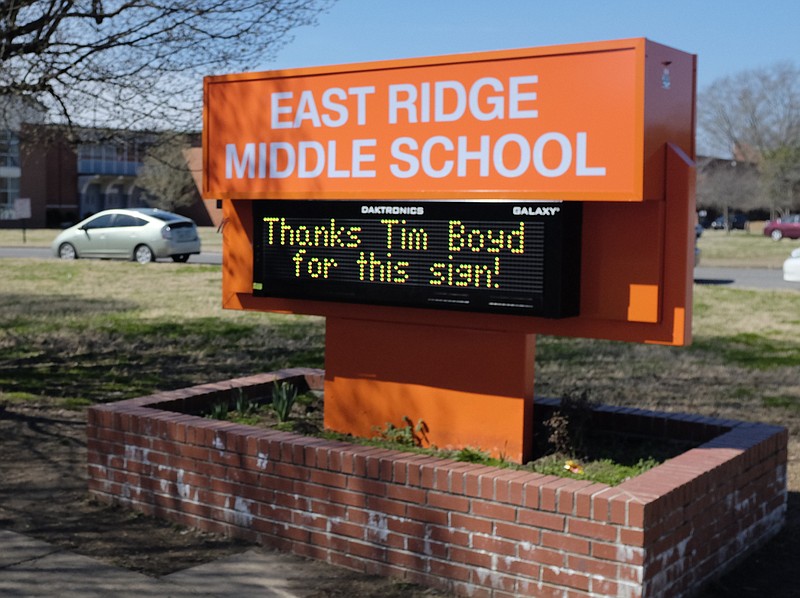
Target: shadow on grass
752,350
21,308
713,281
96,351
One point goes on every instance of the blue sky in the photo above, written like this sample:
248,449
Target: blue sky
728,36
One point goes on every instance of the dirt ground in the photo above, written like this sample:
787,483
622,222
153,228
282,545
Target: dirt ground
43,495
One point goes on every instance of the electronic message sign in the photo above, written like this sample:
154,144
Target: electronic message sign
500,257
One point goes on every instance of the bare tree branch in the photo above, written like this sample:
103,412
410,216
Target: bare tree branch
137,63
755,116
727,185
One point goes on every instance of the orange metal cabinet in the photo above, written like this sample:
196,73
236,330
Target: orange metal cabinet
610,124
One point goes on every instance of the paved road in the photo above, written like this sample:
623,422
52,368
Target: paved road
737,278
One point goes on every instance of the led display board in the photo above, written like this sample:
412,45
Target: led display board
499,257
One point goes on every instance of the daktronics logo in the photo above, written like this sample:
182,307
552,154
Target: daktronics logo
535,210
394,210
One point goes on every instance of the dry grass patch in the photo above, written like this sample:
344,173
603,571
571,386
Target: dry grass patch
743,249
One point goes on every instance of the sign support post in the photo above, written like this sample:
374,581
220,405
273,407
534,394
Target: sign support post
460,387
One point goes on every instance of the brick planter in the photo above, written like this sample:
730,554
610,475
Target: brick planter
470,529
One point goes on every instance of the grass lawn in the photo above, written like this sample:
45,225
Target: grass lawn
76,333
741,249
94,331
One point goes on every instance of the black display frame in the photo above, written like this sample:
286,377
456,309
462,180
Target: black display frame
297,243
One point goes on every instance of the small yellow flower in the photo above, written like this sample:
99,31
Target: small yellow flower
573,466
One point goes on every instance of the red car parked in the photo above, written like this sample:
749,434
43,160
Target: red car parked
783,227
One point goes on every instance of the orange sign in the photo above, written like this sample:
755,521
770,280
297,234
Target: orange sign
610,124
568,122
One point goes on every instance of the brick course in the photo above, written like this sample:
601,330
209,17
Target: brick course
467,528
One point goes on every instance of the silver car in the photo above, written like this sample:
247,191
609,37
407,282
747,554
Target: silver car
140,234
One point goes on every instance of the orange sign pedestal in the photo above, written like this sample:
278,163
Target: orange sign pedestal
471,388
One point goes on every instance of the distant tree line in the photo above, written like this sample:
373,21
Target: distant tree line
753,118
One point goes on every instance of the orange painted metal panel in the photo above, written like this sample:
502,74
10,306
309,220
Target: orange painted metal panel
625,247
584,122
471,388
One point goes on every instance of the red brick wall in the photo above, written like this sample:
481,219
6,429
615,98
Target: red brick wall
467,528
49,175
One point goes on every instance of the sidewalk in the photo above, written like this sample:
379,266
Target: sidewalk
31,568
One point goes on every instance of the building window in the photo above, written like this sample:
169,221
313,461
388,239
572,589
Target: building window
9,148
121,158
9,191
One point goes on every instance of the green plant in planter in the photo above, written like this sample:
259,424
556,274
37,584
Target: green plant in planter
470,454
244,406
570,424
239,408
219,411
284,395
407,435
245,411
